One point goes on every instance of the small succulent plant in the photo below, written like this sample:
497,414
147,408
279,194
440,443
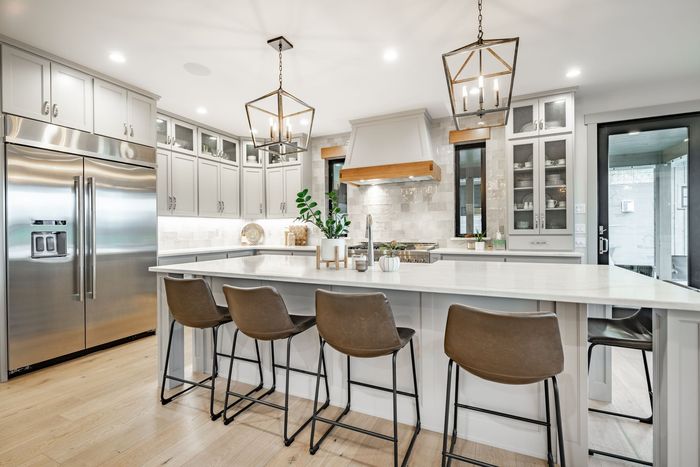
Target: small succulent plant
392,248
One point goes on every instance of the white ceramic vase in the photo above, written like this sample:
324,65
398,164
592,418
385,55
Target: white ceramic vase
328,248
479,246
389,263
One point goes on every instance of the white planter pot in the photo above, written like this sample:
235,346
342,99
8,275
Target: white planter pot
328,248
389,263
479,246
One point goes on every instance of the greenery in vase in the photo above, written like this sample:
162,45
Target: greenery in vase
335,224
480,236
391,249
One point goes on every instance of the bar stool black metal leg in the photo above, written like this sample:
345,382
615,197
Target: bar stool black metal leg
453,438
396,412
287,441
650,419
560,429
214,374
447,414
230,373
313,448
550,455
415,391
163,400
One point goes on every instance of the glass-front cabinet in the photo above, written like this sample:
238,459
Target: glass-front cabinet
540,192
273,160
251,157
229,150
176,135
540,117
209,144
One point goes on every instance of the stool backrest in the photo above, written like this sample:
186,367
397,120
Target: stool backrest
259,312
356,324
510,348
191,302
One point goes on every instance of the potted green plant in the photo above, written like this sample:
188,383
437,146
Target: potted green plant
390,261
333,226
480,241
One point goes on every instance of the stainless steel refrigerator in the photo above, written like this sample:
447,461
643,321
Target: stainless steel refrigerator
81,228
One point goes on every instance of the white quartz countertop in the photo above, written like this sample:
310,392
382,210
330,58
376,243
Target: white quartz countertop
576,283
217,249
465,251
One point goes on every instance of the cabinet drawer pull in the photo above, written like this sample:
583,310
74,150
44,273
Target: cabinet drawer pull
55,110
126,130
45,108
260,208
131,130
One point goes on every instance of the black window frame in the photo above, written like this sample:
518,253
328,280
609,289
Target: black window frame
457,148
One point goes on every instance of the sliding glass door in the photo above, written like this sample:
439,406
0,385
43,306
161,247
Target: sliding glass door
649,197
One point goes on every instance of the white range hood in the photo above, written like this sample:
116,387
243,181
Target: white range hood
389,149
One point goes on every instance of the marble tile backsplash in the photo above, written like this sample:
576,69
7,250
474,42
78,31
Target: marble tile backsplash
420,211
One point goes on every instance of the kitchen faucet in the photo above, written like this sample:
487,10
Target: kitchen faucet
370,243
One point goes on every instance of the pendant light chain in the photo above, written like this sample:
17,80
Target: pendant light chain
480,35
281,63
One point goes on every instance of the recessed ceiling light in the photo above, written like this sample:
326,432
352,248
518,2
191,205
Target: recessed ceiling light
573,72
632,133
201,110
117,57
391,55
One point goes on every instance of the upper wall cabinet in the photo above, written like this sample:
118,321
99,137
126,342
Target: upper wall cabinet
218,147
540,117
176,135
251,157
124,114
36,88
273,160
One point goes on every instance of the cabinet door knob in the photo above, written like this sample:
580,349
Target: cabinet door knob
45,108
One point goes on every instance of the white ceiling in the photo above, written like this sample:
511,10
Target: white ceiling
337,63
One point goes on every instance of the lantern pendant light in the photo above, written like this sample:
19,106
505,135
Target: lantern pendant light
477,74
279,122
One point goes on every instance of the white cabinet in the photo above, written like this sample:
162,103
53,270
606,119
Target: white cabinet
540,186
71,98
110,110
215,146
218,189
36,88
540,117
282,185
177,184
141,111
230,191
208,181
250,156
253,193
26,84
123,114
173,134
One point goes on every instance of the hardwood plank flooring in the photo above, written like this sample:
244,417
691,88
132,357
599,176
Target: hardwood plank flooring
103,409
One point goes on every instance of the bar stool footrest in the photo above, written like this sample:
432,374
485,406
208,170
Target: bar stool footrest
592,452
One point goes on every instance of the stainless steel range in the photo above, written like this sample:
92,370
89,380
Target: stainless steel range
415,252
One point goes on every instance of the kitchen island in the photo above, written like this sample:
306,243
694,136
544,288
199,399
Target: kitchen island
420,295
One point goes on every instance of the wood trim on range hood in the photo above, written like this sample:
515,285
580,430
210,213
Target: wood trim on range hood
391,173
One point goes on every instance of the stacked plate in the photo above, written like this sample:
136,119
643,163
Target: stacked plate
554,179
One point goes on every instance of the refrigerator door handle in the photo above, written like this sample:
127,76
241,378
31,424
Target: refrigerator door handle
80,238
93,237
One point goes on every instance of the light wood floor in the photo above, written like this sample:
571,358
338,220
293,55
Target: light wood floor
103,409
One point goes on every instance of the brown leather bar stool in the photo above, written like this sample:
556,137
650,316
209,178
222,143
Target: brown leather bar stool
362,326
260,313
632,332
192,304
506,348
